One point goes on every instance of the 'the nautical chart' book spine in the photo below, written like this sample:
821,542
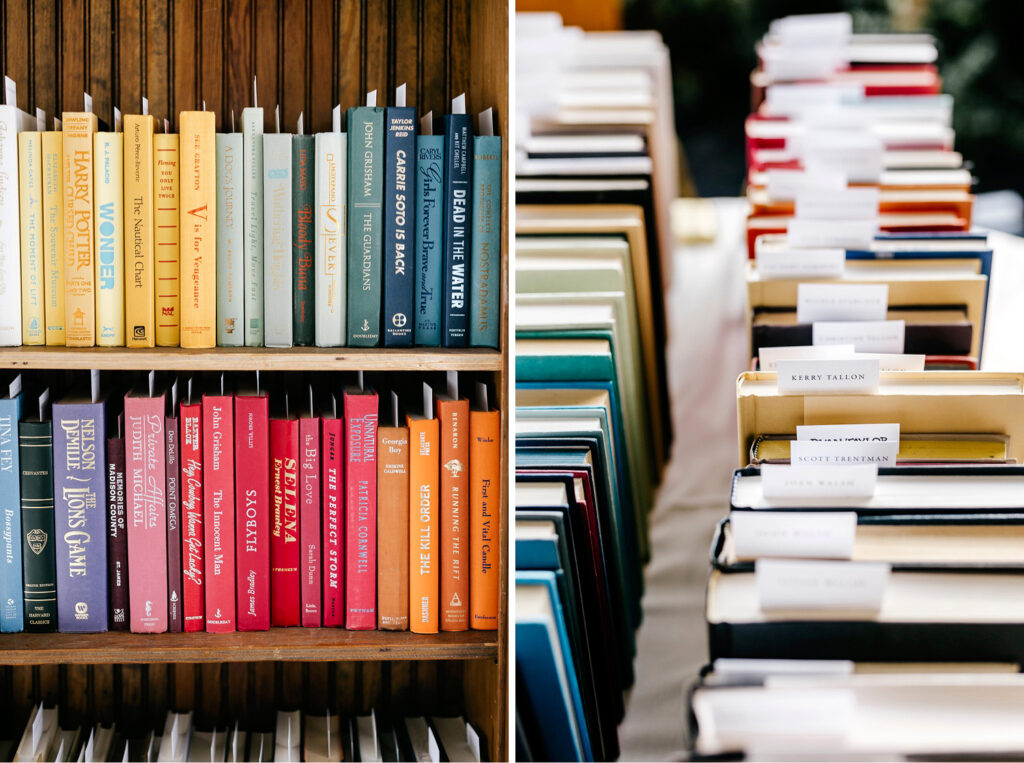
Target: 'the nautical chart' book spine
485,262
332,455
458,178
399,225
252,511
252,188
361,511
284,522
429,238
198,220
53,234
139,304
330,291
38,549
175,616
117,536
309,520
365,199
167,238
485,497
79,245
303,282
277,240
109,182
453,422
219,505
230,242
393,528
30,183
10,246
12,609
193,557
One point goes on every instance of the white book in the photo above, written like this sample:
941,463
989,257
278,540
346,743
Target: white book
330,245
174,744
30,167
208,747
288,738
39,734
252,220
321,741
108,201
230,241
277,240
12,121
236,745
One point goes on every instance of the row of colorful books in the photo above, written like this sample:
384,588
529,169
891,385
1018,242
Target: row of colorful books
145,238
235,508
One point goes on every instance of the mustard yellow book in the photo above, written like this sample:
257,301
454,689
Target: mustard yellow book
926,448
165,238
30,186
53,236
79,246
108,148
139,306
198,220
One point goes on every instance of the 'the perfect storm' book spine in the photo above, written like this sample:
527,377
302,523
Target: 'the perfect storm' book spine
219,505
458,177
12,609
230,242
485,260
309,520
332,454
399,224
365,199
175,616
303,280
252,511
117,536
38,550
193,557
361,511
285,595
429,238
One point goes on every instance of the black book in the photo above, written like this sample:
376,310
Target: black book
35,450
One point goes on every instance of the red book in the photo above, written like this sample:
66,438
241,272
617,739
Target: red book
453,423
332,455
360,410
192,557
219,505
309,519
284,522
252,510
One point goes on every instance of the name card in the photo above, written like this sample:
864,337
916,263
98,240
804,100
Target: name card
894,361
841,302
769,357
803,534
800,377
849,432
781,481
848,234
815,452
801,263
865,336
799,584
843,204
784,185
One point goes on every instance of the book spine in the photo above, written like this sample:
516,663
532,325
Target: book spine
309,520
284,522
108,149
117,536
139,304
198,222
79,487
423,520
10,246
429,238
393,528
252,511
175,616
30,181
333,557
399,225
330,291
167,236
219,505
361,511
38,551
12,609
458,171
53,235
485,259
79,285
453,425
303,155
230,242
277,240
484,518
147,513
193,552
365,199
252,217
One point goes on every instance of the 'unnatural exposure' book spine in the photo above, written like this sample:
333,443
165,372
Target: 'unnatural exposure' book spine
168,239
219,505
303,282
332,454
330,291
423,525
109,189
393,528
175,614
80,491
309,520
198,221
361,511
365,199
285,597
53,235
38,549
485,260
139,227
252,511
252,216
117,536
30,182
458,178
193,556
399,225
429,238
230,242
484,518
453,424
79,244
12,609
277,240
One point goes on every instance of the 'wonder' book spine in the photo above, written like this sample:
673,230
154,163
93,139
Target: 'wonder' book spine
393,528
30,181
198,221
277,240
330,290
53,235
484,516
399,225
139,305
252,219
423,525
429,238
167,239
109,179
485,260
365,199
193,590
303,282
117,536
230,242
79,242
458,175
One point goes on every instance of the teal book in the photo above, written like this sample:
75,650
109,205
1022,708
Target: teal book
230,242
564,359
38,550
365,224
429,238
485,243
303,276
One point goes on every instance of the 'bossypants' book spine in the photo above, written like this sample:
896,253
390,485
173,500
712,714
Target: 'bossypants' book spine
330,291
277,240
453,423
139,187
219,505
429,238
393,528
365,199
309,520
109,181
399,225
485,262
198,221
167,239
332,453
79,242
284,522
484,518
303,282
230,242
252,511
38,551
458,179
423,525
30,182
193,557
53,235
252,218
175,614
360,412
117,536
12,610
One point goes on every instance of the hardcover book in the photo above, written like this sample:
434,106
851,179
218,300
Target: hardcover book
424,506
38,550
458,221
167,204
285,597
399,222
172,442
332,455
198,220
140,225
230,242
453,424
277,240
252,510
30,183
393,528
365,199
485,258
13,121
193,535
309,519
12,609
79,244
252,218
360,411
303,281
53,235
219,509
108,150
484,516
117,536
429,233
330,260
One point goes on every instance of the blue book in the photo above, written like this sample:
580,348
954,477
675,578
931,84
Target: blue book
429,238
12,609
365,231
399,225
458,219
485,260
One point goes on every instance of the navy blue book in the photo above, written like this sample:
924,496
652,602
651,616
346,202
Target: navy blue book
399,224
458,219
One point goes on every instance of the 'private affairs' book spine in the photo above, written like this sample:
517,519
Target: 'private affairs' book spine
399,224
365,199
458,142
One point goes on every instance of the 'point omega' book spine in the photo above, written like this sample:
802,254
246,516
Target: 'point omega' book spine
399,225
458,219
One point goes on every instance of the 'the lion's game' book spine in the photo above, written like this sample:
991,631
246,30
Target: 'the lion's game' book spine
117,536
37,527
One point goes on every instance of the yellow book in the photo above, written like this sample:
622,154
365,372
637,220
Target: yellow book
138,214
30,184
109,180
935,448
79,297
53,236
198,220
165,238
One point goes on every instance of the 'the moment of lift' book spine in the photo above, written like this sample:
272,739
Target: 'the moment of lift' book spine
399,224
429,238
37,528
365,199
12,610
458,150
117,536
193,589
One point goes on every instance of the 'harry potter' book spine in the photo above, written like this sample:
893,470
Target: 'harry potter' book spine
198,220
361,510
303,282
429,238
79,244
12,609
230,242
332,454
140,228
399,224
219,505
53,235
175,616
117,536
37,526
309,520
193,557
252,511
365,199
458,219
393,528
167,238
484,516
284,522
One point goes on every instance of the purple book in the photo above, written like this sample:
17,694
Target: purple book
117,536
80,516
175,616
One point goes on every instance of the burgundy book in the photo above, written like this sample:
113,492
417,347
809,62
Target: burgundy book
285,599
332,460
309,519
252,510
219,508
360,408
117,536
175,615
192,536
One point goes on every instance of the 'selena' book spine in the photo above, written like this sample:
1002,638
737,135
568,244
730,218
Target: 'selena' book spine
167,238
175,614
332,454
285,597
361,510
423,525
38,549
198,221
193,535
330,290
458,173
309,520
393,528
365,199
252,217
303,282
399,224
230,242
219,505
53,235
252,512
453,423
12,609
484,518
139,295
277,240
79,244
13,121
30,183
108,150
117,536
485,262
429,238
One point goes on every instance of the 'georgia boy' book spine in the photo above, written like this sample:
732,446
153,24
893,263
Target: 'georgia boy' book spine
458,141
37,552
12,611
303,154
365,198
330,290
230,242
399,224
485,260
429,238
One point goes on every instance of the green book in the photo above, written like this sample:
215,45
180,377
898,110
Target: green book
303,275
35,440
365,224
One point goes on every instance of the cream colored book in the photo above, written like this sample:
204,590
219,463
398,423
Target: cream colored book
30,183
79,224
108,148
198,221
139,295
53,235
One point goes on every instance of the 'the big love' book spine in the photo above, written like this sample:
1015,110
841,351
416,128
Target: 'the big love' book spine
109,190
332,454
399,224
484,518
303,281
277,240
30,185
80,492
12,610
219,506
365,199
458,177
38,549
117,536
423,525
429,238
193,536
393,528
167,237
53,234
198,220
175,613
361,510
252,511
139,304
330,290
252,218
309,520
485,262
79,246
284,522
453,422
230,242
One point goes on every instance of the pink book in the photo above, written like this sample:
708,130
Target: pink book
332,457
360,409
252,511
309,519
219,508
192,556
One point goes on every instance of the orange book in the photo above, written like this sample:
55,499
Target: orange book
453,423
393,528
198,221
423,523
79,243
166,238
484,518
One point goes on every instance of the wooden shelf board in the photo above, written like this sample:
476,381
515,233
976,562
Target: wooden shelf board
277,644
252,358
